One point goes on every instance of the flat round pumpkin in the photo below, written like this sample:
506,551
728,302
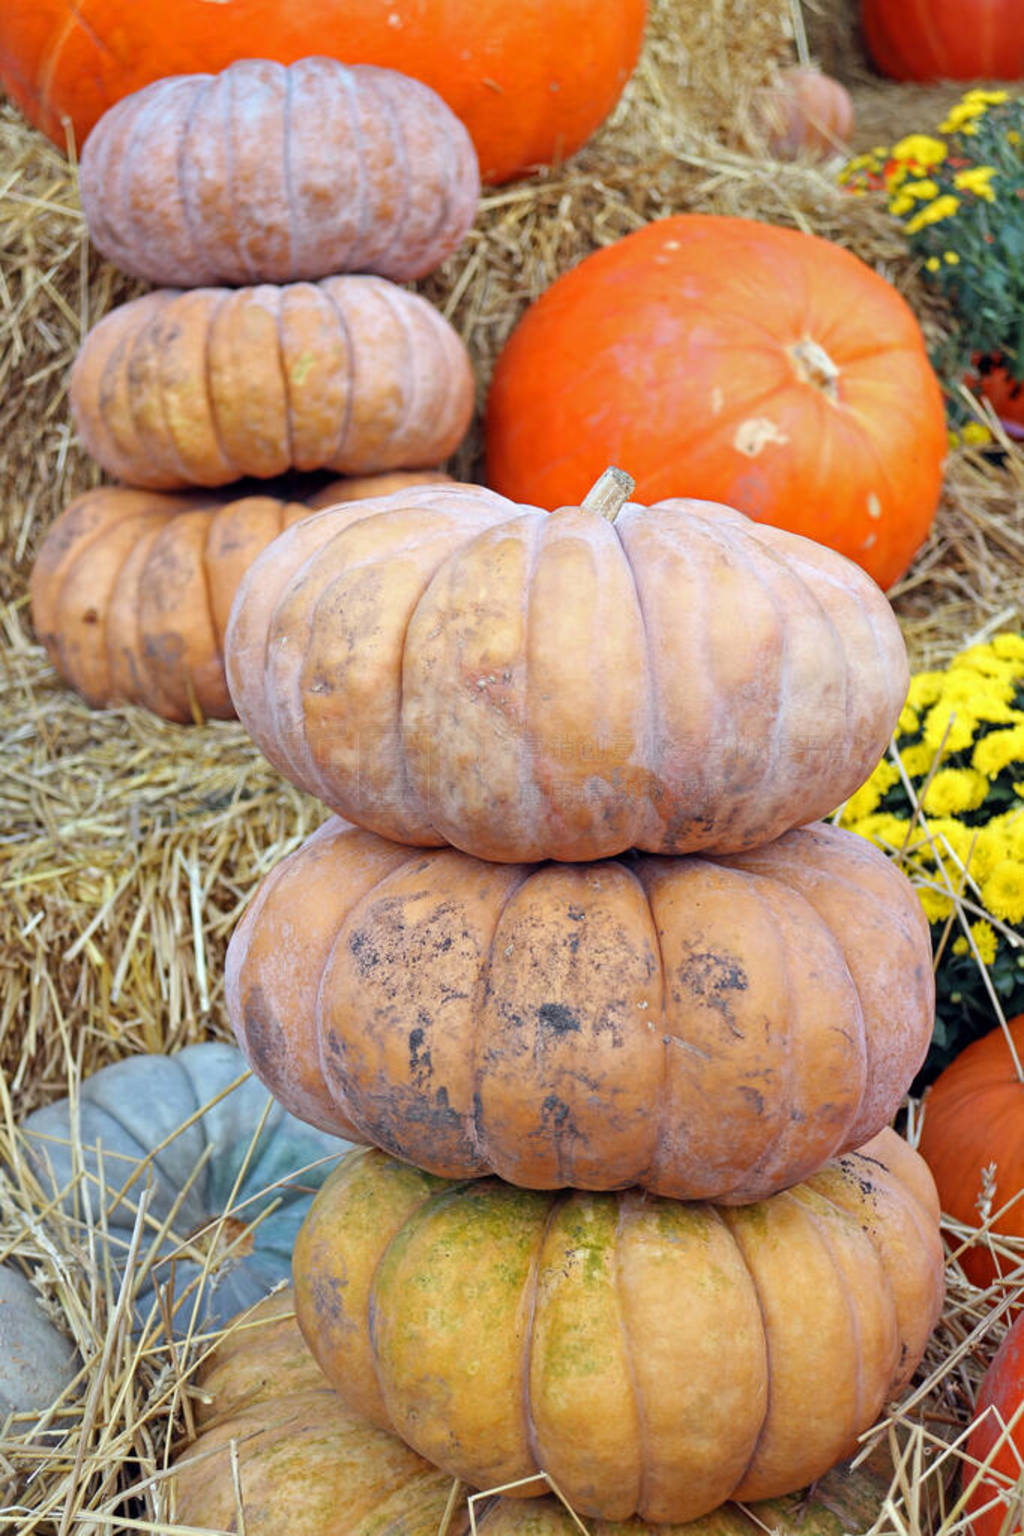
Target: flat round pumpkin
707,1029
996,1442
805,112
729,359
972,1138
131,590
451,667
931,40
652,1356
263,174
232,1179
531,81
351,374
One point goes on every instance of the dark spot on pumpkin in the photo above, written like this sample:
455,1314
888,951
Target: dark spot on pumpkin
576,914
714,979
755,1099
265,1043
557,1017
420,1065
364,952
90,616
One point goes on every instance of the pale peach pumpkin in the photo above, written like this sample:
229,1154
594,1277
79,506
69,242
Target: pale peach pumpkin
653,1356
707,1029
351,374
267,174
451,667
131,590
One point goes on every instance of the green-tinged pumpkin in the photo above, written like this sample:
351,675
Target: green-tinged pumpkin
653,1357
351,374
707,1029
233,1180
263,174
452,667
131,590
37,1360
309,1465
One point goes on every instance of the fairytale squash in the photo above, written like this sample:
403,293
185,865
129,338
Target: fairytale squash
131,590
306,1464
805,112
704,1029
653,1356
996,1442
531,81
450,667
263,174
728,359
351,374
928,40
233,1184
974,1121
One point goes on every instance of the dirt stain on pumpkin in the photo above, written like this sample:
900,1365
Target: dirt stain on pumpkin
714,980
265,1043
558,1018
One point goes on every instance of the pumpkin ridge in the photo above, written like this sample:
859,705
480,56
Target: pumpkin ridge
559,1201
391,115
654,744
286,159
113,427
340,445
856,1331
169,452
297,292
629,1337
221,299
189,211
362,197
147,683
723,1214
408,370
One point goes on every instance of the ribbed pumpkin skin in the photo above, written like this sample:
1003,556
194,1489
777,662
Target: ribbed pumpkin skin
930,40
806,113
263,174
734,360
974,1117
653,1356
999,1403
131,590
531,81
306,1464
200,388
707,1030
558,686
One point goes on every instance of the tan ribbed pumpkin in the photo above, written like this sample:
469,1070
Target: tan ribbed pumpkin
267,174
351,374
457,668
131,590
653,1356
707,1029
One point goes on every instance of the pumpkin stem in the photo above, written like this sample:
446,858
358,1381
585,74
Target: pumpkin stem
609,495
814,366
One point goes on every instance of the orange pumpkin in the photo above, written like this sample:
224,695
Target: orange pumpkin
263,174
996,384
352,374
997,1442
304,1463
729,359
653,1356
531,81
974,1121
455,668
704,1029
131,590
805,113
929,40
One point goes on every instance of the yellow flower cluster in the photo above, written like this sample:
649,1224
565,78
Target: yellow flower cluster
962,117
960,744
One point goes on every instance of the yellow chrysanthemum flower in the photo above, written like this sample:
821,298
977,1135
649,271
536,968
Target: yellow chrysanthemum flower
933,264
960,118
990,848
952,259
1012,136
977,179
947,830
1010,646
954,789
933,213
975,432
984,936
989,660
1003,892
948,725
917,759
909,721
925,688
888,831
998,750
866,799
919,149
987,98
936,906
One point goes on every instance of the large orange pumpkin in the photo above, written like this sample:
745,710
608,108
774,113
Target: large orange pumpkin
531,80
263,174
352,374
997,1439
729,359
653,1356
450,667
945,39
704,1029
973,1122
131,590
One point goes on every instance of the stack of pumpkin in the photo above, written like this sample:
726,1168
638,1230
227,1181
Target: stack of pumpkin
270,178
626,1049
